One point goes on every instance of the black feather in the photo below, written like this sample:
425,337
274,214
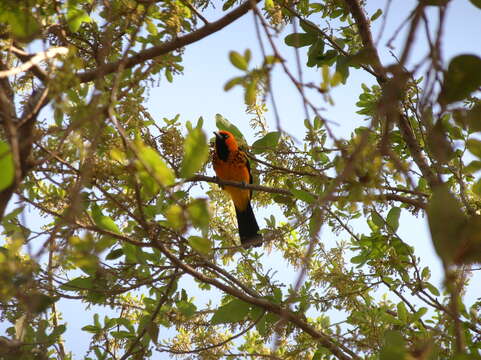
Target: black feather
248,228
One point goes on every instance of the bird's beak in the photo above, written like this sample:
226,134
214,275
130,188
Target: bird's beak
217,135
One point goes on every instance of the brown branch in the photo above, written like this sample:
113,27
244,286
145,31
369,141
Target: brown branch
376,197
362,23
165,48
32,61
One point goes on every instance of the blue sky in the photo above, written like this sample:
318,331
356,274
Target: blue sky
199,92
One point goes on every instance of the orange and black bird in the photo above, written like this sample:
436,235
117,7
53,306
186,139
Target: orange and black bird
231,163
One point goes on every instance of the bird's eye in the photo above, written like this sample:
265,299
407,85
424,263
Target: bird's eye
225,136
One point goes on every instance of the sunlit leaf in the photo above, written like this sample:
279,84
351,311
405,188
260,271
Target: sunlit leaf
393,218
394,347
446,221
233,82
474,146
303,195
23,25
7,167
152,162
186,308
199,213
250,95
200,244
268,142
223,124
102,221
376,15
238,60
233,311
76,17
175,216
299,40
196,152
462,78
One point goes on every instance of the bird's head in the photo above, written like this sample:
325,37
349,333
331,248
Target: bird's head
225,143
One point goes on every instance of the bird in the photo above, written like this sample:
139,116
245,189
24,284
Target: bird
231,164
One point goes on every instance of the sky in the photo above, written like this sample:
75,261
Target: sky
199,92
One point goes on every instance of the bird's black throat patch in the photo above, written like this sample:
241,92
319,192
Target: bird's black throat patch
221,149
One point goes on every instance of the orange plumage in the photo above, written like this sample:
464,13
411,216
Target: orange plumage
231,163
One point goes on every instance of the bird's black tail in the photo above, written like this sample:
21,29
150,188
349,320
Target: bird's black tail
248,228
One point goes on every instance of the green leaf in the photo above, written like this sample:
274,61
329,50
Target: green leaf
420,313
265,324
223,124
57,331
175,216
299,40
446,221
342,67
394,347
402,312
122,334
234,311
250,95
228,4
114,254
200,244
476,3
7,167
233,82
377,219
38,302
473,118
247,55
462,78
303,196
474,147
393,218
199,213
315,52
150,161
321,353
432,289
238,60
102,221
268,142
22,23
80,283
438,143
196,152
470,250
91,329
186,308
376,14
153,330
151,27
76,17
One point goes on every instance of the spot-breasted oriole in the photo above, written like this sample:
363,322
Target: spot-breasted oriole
231,163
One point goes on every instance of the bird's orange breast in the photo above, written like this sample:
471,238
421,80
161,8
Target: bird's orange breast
234,169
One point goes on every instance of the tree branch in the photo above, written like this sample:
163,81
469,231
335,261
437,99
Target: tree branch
33,61
377,197
165,48
362,23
